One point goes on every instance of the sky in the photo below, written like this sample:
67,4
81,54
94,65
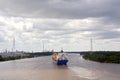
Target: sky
60,24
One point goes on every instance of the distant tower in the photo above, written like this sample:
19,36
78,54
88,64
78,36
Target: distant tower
14,44
91,44
43,47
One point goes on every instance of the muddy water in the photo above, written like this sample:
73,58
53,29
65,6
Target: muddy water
42,68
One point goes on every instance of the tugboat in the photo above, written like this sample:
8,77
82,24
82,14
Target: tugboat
60,58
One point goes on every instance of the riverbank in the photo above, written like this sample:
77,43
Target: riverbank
103,56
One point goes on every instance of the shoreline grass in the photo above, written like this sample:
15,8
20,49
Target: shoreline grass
103,56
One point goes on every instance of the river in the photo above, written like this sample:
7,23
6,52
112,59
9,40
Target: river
43,68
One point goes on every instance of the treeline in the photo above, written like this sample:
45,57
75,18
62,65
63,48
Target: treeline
26,55
7,58
103,56
37,54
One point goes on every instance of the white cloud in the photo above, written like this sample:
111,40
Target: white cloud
60,23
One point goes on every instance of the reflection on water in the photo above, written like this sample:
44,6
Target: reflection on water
42,68
84,73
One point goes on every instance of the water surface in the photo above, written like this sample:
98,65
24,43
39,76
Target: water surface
43,68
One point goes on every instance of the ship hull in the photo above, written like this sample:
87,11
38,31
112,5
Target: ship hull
62,62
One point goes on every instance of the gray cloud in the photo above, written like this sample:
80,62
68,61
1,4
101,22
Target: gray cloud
107,34
75,9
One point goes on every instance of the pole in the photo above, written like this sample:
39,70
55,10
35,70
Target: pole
43,47
14,44
91,44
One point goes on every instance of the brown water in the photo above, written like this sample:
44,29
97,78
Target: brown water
42,68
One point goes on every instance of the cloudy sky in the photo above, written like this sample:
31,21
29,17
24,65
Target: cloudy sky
60,24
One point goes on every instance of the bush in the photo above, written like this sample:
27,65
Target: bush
108,57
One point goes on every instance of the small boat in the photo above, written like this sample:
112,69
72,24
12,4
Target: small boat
59,58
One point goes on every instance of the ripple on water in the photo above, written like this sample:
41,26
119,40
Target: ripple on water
84,73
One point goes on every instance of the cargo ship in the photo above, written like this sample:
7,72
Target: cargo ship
60,58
